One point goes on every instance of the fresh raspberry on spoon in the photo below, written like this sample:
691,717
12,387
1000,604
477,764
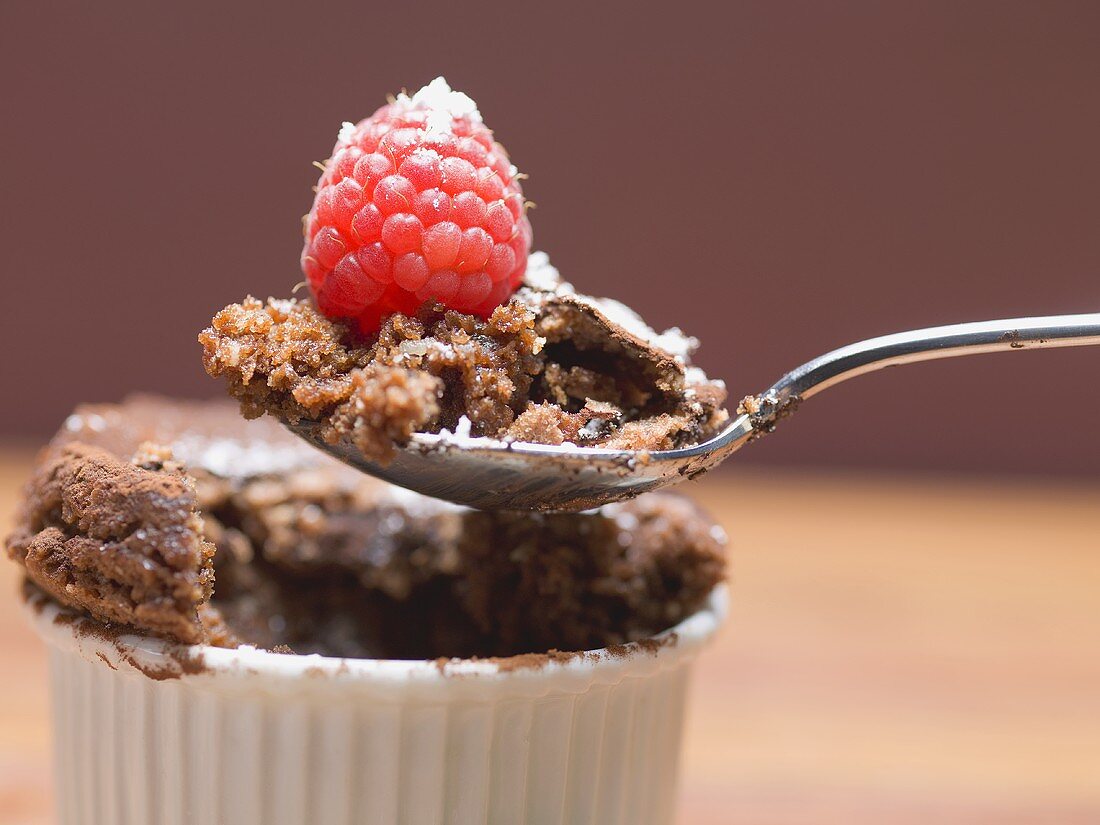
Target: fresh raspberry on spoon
418,202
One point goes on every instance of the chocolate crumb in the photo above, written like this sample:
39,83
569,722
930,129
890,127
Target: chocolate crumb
105,660
548,367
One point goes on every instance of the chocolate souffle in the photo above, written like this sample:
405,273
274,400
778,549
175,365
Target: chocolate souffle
181,520
550,366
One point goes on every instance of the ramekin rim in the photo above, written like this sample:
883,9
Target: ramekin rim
163,659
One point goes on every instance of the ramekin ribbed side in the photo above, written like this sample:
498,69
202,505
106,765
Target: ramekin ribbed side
145,734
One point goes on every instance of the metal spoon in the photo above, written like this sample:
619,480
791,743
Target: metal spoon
495,475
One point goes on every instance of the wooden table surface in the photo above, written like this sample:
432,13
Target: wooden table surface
900,650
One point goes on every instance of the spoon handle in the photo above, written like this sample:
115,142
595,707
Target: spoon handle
921,345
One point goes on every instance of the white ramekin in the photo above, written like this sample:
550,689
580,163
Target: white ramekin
146,733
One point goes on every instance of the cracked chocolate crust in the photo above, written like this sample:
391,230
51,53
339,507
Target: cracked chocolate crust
313,556
549,367
122,541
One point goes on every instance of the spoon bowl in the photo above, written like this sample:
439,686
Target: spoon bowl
490,474
495,475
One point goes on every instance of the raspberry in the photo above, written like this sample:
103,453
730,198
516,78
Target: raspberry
417,203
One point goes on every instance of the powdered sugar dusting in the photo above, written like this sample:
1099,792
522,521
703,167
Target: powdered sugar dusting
420,347
442,104
347,133
541,274
461,436
228,457
694,375
464,427
77,422
673,341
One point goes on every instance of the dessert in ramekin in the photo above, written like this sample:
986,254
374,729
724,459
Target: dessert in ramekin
243,630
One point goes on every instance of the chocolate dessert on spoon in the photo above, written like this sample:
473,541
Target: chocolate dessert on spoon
444,356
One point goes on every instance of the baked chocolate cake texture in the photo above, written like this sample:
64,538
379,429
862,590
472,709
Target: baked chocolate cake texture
183,520
549,366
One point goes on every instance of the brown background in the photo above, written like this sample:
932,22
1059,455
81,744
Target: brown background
777,178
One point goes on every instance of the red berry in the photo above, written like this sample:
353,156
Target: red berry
433,206
474,250
376,262
501,263
411,271
402,233
441,243
470,209
417,203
